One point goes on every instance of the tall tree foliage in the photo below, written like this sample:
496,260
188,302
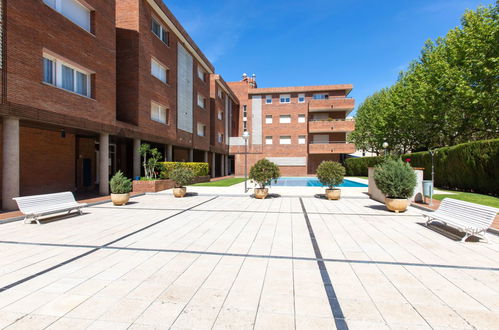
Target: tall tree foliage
449,95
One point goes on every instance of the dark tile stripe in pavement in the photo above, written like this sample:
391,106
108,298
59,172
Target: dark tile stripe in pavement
25,279
339,318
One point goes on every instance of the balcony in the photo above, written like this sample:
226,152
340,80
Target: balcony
332,104
331,126
331,147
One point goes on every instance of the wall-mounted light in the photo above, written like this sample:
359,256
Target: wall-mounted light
63,133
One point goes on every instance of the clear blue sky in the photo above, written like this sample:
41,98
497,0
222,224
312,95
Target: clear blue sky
317,42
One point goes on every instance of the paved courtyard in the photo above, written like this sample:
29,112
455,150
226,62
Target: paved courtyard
214,261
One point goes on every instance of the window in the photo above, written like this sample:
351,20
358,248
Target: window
321,96
301,98
48,71
201,73
66,76
160,32
245,112
159,71
285,119
159,113
301,118
73,10
201,129
268,140
201,101
301,139
285,140
219,93
220,137
268,99
245,126
220,115
285,98
268,119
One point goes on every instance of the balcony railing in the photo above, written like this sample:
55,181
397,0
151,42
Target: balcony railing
332,104
331,147
331,126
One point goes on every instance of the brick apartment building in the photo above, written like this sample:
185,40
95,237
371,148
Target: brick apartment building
84,82
295,127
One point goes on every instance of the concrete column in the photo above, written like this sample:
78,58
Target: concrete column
226,165
136,158
169,152
191,155
104,164
213,164
206,156
10,172
222,160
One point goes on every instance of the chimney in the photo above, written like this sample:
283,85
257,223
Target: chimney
250,81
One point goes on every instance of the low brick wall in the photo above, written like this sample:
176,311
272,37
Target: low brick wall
159,185
152,186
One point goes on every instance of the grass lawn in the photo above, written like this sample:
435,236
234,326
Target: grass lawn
221,183
470,197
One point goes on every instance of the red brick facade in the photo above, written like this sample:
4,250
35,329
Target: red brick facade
315,129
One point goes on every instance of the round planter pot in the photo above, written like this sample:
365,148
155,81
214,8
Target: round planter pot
333,194
396,205
179,192
261,193
120,199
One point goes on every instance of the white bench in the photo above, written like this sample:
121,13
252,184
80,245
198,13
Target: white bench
470,218
39,205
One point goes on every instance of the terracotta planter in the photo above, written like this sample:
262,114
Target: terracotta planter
143,186
120,199
261,193
333,194
396,205
179,192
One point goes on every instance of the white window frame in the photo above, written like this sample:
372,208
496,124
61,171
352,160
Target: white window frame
201,129
162,114
220,137
57,6
268,119
201,73
57,64
302,139
301,98
220,115
283,119
162,68
285,139
285,98
220,95
162,31
268,99
201,101
302,118
269,140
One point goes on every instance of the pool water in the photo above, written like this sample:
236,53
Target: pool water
312,182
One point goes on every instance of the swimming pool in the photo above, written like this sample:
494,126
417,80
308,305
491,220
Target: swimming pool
312,182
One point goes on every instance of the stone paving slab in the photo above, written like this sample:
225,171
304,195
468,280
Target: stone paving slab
225,262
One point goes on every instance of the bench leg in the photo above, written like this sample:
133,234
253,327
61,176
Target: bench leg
36,219
81,212
27,220
465,237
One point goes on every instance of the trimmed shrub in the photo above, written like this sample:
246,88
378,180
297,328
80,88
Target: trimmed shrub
470,166
330,173
395,179
120,184
182,175
199,169
263,172
358,166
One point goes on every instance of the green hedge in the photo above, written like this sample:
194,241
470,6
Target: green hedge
470,166
199,169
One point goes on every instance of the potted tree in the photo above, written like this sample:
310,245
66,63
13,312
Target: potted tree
182,176
263,172
331,174
397,181
120,189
